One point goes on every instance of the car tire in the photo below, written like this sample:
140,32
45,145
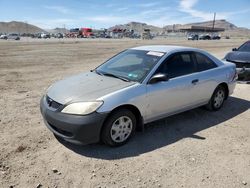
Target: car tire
118,128
217,99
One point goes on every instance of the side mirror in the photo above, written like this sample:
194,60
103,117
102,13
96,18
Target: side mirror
234,49
158,78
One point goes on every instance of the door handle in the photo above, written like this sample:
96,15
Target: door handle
195,81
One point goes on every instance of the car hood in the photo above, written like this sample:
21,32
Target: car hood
238,56
85,87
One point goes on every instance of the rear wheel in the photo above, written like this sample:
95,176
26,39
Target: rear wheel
217,99
118,128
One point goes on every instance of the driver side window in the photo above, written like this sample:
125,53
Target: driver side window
178,64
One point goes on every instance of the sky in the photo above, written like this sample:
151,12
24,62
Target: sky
97,14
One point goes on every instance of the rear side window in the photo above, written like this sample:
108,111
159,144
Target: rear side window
203,62
178,65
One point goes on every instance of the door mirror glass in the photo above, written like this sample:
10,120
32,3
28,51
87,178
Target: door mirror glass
158,78
234,49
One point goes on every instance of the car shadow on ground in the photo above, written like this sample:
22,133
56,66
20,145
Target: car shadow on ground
164,132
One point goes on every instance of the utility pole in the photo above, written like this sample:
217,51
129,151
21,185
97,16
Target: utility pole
26,24
7,30
214,20
27,32
64,31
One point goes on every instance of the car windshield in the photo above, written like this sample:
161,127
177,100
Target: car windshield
245,47
130,65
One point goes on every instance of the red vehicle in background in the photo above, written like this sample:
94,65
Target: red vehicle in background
86,33
80,33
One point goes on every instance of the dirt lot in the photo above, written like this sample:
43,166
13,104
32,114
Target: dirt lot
193,149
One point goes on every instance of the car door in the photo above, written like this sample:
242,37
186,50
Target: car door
176,94
206,73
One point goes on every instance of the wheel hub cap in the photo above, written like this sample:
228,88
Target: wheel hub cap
121,129
219,98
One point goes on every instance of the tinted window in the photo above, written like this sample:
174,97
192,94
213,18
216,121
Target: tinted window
178,65
204,63
245,47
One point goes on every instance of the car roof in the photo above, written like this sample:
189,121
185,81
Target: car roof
163,48
172,49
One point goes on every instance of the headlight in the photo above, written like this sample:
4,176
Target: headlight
82,108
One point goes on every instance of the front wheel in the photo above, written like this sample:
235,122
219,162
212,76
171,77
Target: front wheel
217,99
118,128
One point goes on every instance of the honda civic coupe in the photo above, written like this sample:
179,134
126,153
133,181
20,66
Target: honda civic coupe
135,87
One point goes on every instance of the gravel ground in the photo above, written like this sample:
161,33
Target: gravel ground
197,148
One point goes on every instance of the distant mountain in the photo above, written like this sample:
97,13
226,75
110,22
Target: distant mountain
218,23
230,29
19,27
138,27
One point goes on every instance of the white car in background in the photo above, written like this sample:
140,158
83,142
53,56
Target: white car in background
3,37
45,36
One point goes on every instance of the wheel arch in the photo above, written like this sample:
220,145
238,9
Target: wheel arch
134,110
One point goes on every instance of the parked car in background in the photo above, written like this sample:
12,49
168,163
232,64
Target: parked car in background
136,86
59,35
216,37
241,58
45,36
5,37
205,37
193,37
13,36
35,35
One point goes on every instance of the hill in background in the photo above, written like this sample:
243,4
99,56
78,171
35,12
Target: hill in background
19,27
218,23
230,29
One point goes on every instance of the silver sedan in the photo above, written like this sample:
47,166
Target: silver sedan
137,86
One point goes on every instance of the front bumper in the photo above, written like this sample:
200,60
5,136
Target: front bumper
77,129
243,74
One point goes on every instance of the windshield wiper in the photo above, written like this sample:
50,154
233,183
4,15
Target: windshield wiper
115,76
111,75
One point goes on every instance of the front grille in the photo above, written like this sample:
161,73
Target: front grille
240,64
51,103
63,132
